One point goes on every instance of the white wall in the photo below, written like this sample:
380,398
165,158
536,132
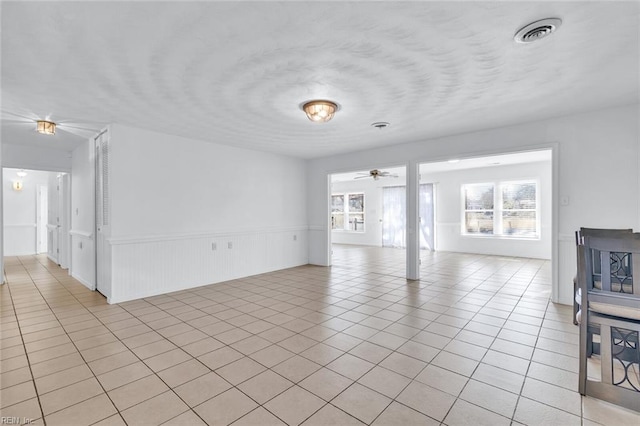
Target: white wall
20,213
597,160
35,158
449,210
83,215
372,190
172,198
1,220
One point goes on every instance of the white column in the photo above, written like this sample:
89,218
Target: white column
413,236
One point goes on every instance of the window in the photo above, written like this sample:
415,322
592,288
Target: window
519,208
347,212
501,209
478,208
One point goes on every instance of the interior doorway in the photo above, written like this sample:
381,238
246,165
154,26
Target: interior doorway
102,214
34,216
495,205
368,220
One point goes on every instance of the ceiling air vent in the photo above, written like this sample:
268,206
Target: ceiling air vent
537,30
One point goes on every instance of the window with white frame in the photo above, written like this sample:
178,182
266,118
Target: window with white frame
501,209
347,212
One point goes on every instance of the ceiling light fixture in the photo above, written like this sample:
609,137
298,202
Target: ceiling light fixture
320,111
21,173
46,127
537,30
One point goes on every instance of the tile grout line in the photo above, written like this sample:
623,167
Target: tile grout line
79,353
492,342
357,290
7,282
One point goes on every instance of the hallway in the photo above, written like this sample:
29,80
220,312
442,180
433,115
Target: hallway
476,341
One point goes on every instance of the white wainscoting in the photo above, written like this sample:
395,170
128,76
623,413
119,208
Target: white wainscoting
83,258
148,266
567,260
19,239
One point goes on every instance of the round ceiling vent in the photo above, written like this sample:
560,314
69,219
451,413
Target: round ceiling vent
537,30
380,124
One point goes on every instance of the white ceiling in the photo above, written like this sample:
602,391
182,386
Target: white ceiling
236,72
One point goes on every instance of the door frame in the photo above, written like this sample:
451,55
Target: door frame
412,173
328,235
101,231
553,147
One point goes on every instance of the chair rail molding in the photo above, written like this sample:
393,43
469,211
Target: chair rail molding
135,239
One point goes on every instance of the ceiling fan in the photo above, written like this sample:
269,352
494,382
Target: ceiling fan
375,174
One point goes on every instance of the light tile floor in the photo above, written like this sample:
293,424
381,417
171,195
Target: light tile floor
476,341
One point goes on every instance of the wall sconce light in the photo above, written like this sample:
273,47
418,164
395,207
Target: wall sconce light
320,111
46,127
18,185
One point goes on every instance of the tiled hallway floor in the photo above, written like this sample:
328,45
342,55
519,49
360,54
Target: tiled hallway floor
475,342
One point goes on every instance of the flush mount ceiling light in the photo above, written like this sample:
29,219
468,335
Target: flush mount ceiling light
46,127
537,30
21,173
320,111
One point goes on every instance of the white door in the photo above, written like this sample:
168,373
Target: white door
103,228
42,219
64,214
53,219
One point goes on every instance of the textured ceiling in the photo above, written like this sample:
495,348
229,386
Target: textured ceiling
236,72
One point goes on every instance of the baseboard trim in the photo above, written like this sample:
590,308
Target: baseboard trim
83,281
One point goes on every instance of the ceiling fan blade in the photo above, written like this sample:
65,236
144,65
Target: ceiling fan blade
361,177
